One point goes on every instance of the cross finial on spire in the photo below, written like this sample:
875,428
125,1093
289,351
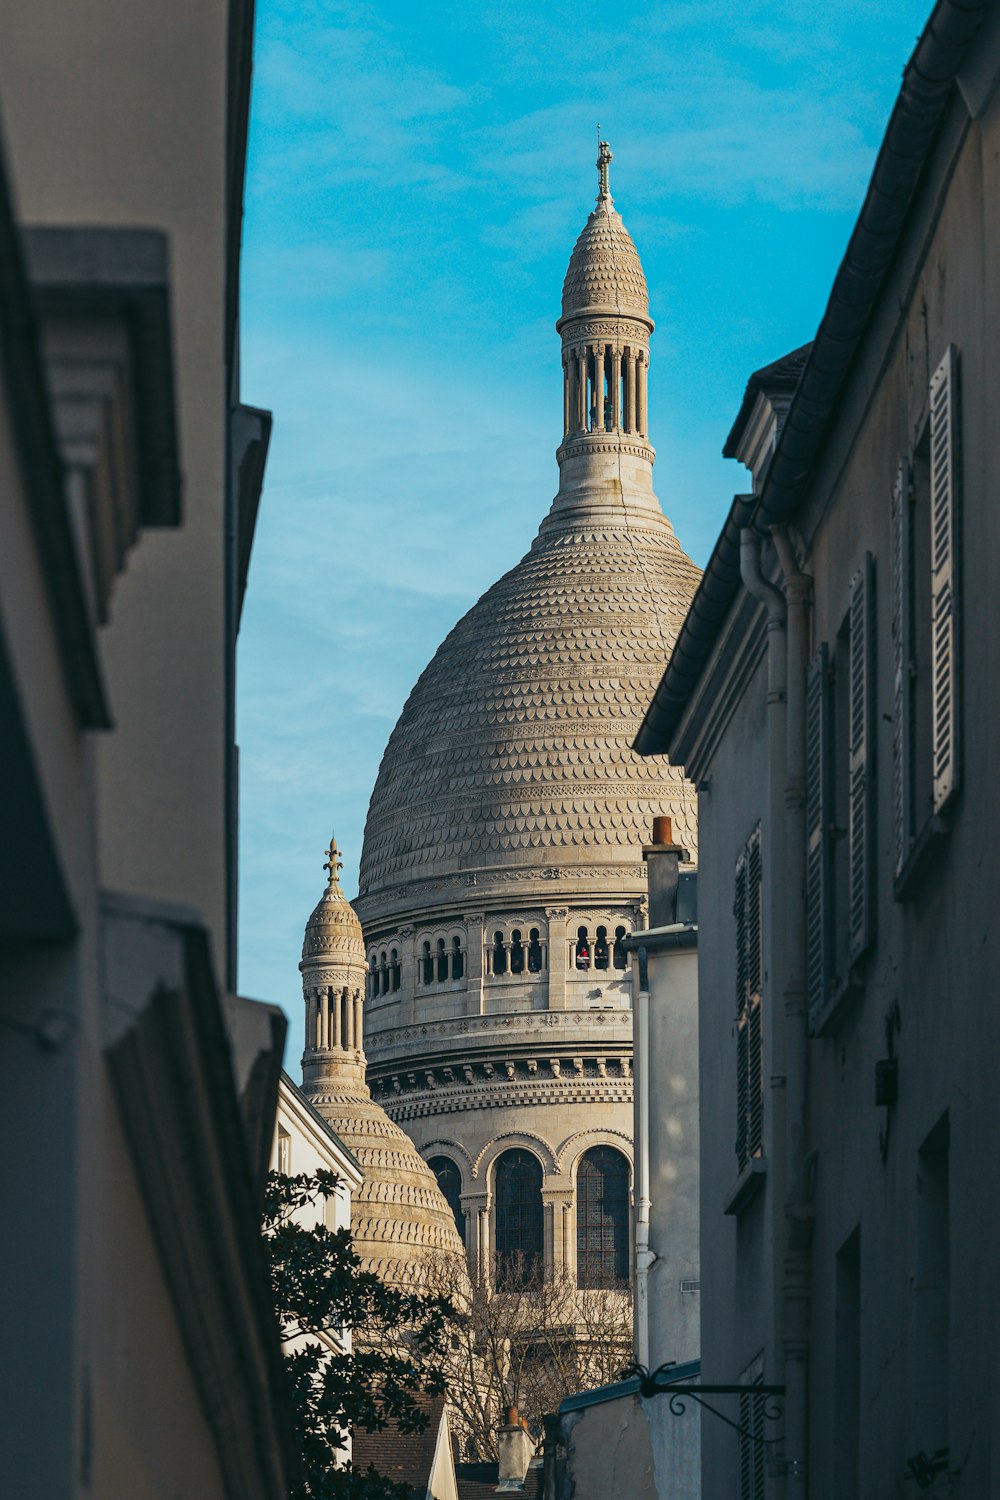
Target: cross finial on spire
334,863
604,160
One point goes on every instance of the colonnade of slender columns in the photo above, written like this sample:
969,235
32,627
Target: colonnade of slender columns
334,1019
590,369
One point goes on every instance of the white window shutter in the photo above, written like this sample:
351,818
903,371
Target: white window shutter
861,737
944,577
901,684
818,817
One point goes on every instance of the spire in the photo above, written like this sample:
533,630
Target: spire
604,160
334,864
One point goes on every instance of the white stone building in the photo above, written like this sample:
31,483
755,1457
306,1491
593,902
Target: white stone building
502,869
834,698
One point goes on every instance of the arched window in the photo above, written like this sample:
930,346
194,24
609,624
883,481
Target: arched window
457,958
449,1180
394,969
517,1193
602,1218
534,953
427,965
372,975
499,954
516,952
383,965
601,952
442,962
582,948
620,956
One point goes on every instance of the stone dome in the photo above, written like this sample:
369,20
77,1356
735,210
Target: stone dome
605,274
401,1224
515,745
333,928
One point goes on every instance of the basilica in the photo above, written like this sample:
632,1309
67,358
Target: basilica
489,1000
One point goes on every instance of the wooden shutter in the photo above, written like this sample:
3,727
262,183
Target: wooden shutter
901,652
742,1035
819,814
755,975
861,738
748,911
944,577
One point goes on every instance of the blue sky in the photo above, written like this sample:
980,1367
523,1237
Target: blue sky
418,175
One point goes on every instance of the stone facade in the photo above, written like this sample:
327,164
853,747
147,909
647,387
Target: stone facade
502,868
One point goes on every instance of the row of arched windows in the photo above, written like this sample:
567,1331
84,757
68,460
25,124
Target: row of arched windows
442,960
600,954
602,1215
519,956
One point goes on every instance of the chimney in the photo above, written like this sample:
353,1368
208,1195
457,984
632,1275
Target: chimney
663,859
516,1452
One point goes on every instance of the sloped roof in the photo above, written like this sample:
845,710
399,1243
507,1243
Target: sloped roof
404,1457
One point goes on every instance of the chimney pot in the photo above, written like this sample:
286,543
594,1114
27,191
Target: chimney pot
663,830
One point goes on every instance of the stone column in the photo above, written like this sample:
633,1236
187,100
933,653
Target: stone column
567,393
616,388
310,1019
359,1034
476,1207
348,1038
557,1196
556,918
475,1004
630,391
642,395
581,390
333,1018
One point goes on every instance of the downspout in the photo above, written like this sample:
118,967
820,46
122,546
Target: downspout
644,1258
798,1210
774,937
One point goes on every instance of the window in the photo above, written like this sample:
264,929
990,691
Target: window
601,952
620,957
427,965
847,1368
383,966
499,954
284,1152
534,952
517,1195
394,970
840,749
449,1180
602,1218
749,977
457,958
442,962
582,958
516,953
925,628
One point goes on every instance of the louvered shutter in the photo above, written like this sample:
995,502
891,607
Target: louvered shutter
755,1040
819,811
901,652
861,737
742,1035
944,577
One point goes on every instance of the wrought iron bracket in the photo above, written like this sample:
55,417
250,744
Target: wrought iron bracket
658,1382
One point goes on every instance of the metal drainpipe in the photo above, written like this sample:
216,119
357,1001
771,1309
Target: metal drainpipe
777,664
798,1214
643,1258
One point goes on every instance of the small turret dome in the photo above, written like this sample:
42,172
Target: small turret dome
605,275
333,931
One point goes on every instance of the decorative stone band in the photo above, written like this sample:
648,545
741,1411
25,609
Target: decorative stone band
603,442
628,320
420,1105
628,329
550,1024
